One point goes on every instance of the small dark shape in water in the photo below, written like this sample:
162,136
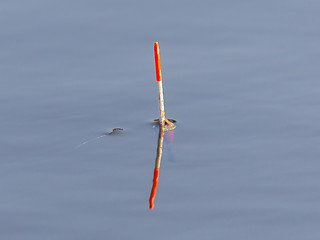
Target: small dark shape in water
115,130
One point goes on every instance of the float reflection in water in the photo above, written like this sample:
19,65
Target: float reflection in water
167,130
156,168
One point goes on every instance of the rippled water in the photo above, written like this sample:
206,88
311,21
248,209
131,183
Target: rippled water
240,78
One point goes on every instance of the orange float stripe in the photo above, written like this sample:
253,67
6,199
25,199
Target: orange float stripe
154,188
157,61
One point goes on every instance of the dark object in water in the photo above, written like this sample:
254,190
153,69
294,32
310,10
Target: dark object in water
115,130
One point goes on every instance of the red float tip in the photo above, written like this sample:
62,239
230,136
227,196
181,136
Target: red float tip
157,61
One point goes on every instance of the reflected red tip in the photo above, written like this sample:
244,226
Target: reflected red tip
154,188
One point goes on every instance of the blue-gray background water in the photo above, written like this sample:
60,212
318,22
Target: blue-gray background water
240,77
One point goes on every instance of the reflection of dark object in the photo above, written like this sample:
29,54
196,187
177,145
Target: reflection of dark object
115,130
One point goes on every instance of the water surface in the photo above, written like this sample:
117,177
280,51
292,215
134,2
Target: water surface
240,78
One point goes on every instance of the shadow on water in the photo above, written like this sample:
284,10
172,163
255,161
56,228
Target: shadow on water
169,134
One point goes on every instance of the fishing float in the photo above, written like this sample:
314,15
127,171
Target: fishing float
163,121
159,80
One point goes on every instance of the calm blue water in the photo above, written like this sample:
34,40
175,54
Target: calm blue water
241,79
